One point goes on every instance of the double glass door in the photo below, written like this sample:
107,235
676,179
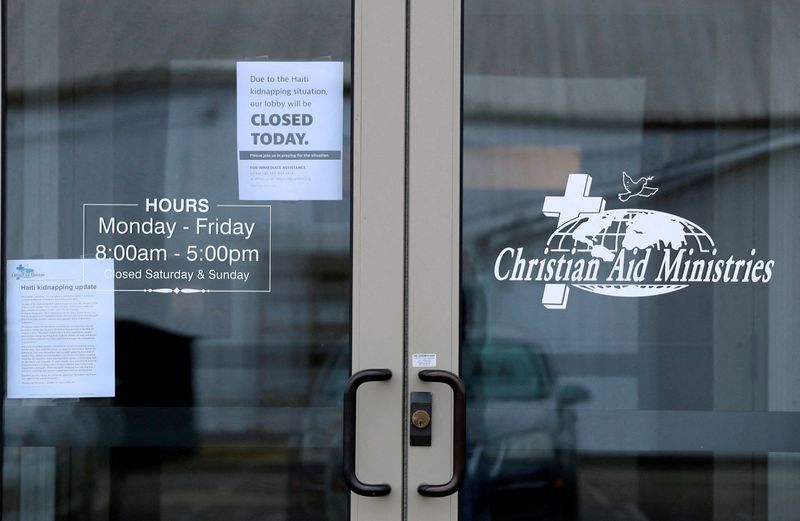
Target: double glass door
378,260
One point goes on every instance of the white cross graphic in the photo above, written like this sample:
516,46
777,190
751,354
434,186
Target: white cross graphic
575,201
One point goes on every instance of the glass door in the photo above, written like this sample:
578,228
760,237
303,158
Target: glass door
193,265
528,260
629,266
627,197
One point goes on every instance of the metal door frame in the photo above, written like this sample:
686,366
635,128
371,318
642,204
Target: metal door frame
434,245
378,242
406,243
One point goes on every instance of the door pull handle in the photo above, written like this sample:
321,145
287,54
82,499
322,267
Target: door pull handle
349,434
459,432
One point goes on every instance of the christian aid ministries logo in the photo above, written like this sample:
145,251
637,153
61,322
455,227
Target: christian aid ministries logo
22,271
627,252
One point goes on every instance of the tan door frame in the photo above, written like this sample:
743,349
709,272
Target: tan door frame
406,246
434,153
379,185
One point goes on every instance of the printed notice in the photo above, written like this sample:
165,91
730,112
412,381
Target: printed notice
423,360
289,130
60,316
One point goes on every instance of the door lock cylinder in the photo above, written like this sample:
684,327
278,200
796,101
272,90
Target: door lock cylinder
421,413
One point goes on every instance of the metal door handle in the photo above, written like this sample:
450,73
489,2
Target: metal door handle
459,432
349,435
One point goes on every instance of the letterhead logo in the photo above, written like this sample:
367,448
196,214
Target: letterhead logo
22,271
626,252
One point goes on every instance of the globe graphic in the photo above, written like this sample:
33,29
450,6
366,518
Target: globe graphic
604,234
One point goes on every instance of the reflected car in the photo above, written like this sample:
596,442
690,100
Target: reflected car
521,434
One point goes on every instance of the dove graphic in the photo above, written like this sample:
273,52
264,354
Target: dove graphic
635,188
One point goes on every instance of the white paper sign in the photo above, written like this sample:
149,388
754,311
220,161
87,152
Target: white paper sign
289,130
60,316
423,360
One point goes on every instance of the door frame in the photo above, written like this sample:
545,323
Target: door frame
434,244
379,249
406,242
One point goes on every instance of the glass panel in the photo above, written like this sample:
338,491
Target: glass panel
226,403
629,331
